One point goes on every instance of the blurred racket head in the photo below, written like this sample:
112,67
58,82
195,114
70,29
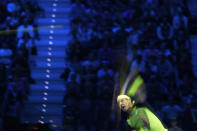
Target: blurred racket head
130,83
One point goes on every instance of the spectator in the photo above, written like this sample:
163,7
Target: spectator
26,27
11,107
65,74
180,22
165,31
72,90
3,81
105,53
165,67
189,118
24,41
15,69
146,31
138,62
5,54
92,61
11,7
104,70
174,126
171,110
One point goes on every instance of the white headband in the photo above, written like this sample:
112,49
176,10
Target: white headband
121,97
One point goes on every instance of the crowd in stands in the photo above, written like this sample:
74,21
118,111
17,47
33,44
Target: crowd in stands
17,38
155,35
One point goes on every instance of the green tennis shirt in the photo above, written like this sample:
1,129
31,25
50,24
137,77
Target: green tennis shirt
142,119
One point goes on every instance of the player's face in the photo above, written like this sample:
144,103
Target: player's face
125,104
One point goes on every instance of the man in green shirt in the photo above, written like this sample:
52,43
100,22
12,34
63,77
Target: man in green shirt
140,118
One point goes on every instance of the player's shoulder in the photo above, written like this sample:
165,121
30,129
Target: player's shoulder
141,109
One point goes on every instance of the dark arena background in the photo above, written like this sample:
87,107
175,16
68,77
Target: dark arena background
61,62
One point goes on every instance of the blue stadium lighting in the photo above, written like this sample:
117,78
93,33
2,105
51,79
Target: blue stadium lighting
50,37
49,53
53,20
54,10
45,98
48,76
53,15
48,59
50,42
50,48
48,71
46,87
51,31
46,82
48,64
52,26
44,110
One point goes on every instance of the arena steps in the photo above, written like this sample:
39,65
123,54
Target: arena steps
55,31
52,82
43,44
51,53
49,63
37,70
64,38
50,90
55,99
46,76
58,21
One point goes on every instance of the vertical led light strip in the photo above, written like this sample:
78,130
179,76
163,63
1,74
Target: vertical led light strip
51,31
48,64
